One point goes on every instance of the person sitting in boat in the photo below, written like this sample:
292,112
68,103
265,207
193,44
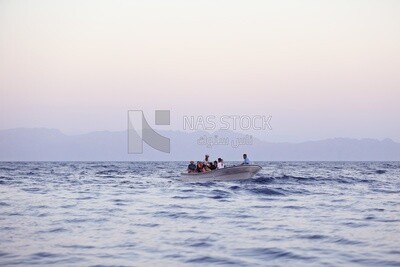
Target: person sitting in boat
246,160
214,166
200,167
221,164
207,164
191,167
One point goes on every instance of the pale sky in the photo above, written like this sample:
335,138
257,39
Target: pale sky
321,69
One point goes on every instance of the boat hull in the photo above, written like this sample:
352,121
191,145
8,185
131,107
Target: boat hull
240,172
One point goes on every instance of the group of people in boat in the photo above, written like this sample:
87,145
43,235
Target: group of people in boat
206,165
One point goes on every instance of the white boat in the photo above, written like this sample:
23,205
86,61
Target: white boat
239,172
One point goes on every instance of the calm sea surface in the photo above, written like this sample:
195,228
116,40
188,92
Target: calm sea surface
143,214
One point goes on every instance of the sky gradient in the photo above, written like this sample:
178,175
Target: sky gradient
321,69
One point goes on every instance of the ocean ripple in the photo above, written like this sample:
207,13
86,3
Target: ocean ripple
144,214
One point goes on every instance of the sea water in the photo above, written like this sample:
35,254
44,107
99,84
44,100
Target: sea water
144,214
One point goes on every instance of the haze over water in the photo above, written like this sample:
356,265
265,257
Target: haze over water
321,69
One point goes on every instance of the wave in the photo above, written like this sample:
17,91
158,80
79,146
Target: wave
265,191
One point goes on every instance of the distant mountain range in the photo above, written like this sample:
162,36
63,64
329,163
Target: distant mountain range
42,144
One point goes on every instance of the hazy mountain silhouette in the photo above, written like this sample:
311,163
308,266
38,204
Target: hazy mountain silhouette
41,144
